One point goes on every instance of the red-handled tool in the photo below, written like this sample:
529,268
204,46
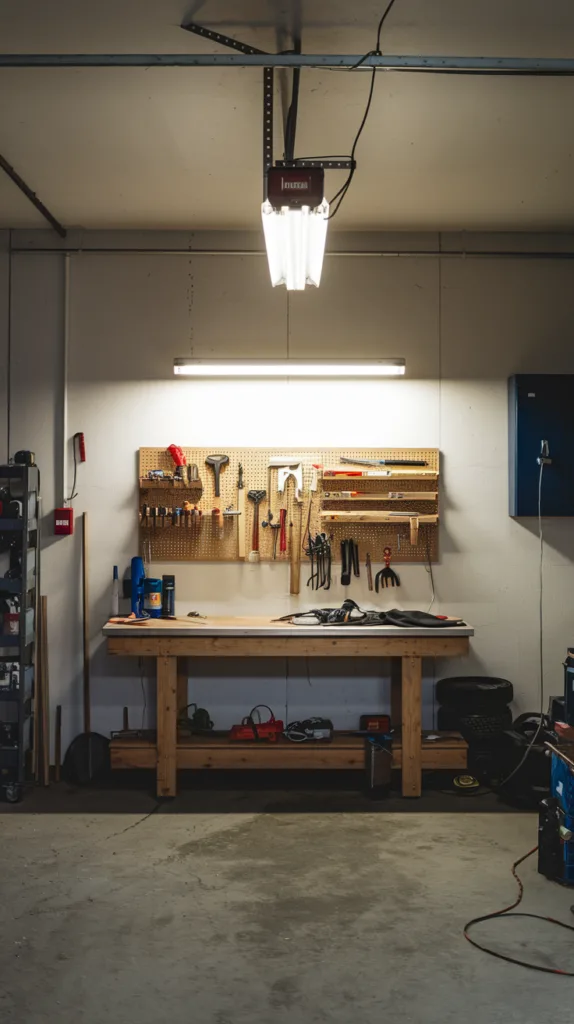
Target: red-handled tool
177,455
282,531
80,446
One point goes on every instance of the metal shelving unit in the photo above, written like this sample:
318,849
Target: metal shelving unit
20,548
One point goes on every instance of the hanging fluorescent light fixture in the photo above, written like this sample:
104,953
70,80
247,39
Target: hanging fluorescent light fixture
344,368
295,216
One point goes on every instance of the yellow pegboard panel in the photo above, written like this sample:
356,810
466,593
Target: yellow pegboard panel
211,539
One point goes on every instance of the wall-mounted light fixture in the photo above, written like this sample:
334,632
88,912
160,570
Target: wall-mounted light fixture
343,368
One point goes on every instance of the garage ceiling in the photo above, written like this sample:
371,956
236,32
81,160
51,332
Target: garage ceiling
181,148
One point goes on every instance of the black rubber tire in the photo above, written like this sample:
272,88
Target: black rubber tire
474,693
448,719
474,726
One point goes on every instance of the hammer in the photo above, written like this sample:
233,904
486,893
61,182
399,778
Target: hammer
216,462
256,497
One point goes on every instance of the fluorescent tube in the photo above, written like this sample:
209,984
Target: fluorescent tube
295,242
287,368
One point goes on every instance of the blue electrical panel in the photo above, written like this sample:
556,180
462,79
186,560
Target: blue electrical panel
541,408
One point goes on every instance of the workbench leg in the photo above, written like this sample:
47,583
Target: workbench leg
182,683
396,694
166,726
411,725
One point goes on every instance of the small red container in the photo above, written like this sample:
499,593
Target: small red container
375,723
12,623
63,521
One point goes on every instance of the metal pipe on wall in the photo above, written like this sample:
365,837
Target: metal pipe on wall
457,254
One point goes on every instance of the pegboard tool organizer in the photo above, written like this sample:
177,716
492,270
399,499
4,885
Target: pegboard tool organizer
215,538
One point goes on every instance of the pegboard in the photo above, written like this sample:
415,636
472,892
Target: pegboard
210,538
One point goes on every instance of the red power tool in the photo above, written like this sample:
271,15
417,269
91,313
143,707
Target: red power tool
250,729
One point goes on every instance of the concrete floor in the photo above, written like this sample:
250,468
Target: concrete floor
259,913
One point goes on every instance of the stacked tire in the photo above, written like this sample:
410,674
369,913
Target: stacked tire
475,706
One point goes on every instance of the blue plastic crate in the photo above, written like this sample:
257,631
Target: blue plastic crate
563,790
563,784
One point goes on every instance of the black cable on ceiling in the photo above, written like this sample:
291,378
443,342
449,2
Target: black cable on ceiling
340,195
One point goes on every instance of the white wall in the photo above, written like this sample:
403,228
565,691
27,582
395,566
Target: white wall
464,325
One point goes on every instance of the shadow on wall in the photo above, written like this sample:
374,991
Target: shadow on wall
558,536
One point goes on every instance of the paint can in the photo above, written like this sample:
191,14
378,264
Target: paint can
152,597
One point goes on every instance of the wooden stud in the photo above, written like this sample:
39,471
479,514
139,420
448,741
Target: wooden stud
411,725
166,725
58,744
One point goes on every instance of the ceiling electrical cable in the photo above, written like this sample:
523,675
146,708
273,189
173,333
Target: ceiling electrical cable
340,195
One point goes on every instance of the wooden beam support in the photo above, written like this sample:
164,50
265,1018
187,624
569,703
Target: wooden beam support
396,694
166,726
219,752
411,725
142,645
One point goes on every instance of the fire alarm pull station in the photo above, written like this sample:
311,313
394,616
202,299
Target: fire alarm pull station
63,521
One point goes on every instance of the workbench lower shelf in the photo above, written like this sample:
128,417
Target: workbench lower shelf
345,752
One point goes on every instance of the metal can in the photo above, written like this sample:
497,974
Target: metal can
152,597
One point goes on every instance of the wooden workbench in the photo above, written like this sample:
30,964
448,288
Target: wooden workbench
172,642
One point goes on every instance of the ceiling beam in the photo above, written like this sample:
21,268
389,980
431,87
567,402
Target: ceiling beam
31,195
218,37
552,66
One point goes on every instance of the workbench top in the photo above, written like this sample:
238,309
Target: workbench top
229,626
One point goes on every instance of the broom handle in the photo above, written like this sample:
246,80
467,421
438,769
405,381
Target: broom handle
85,623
